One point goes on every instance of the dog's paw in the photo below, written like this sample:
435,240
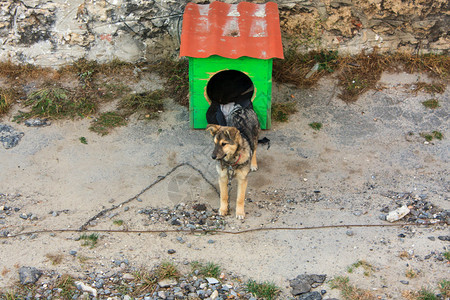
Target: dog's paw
253,168
223,212
240,216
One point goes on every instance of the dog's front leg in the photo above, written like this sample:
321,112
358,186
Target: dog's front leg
223,184
242,188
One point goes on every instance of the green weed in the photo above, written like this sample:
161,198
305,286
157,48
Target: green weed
118,222
433,135
315,125
56,103
431,103
149,102
281,111
446,254
83,140
89,240
209,269
166,270
368,268
326,59
107,121
444,288
426,294
265,290
67,285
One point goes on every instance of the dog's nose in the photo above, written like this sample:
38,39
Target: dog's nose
213,156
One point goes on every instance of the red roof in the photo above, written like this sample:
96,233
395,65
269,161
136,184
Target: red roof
231,30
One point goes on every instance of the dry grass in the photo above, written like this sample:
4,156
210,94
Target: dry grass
8,97
359,73
56,259
350,292
177,75
282,110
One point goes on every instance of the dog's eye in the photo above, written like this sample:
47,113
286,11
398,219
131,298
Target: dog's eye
224,144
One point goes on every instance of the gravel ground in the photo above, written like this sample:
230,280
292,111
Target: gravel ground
318,204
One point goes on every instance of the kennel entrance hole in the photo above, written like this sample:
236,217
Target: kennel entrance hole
229,86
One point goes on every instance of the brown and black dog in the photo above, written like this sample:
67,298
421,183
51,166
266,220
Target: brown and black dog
235,151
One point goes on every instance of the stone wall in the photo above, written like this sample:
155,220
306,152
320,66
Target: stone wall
52,33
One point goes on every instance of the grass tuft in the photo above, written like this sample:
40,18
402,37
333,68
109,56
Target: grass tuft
209,269
281,111
444,288
106,122
56,103
7,98
166,270
368,268
89,240
149,102
118,222
315,125
446,254
177,74
265,290
67,285
431,103
433,135
426,294
348,291
56,259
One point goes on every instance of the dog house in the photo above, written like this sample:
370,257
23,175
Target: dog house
231,45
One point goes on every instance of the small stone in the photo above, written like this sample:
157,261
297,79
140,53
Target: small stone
127,276
404,282
29,275
214,295
310,296
357,213
73,252
126,208
86,288
162,295
175,222
431,238
180,239
167,282
199,207
349,232
211,241
23,216
162,234
445,238
212,280
171,251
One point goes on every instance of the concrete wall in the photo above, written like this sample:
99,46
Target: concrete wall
52,33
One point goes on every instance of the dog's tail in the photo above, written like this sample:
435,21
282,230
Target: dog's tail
264,141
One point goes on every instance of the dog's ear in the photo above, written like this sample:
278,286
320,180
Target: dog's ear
233,134
212,128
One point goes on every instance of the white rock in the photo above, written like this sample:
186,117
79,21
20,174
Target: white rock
214,295
85,288
397,214
167,282
128,276
212,280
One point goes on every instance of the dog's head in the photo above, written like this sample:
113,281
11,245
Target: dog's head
226,140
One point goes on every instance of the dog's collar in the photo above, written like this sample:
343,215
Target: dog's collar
236,162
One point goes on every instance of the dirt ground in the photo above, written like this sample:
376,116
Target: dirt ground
369,155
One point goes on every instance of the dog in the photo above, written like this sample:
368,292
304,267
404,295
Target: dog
235,151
